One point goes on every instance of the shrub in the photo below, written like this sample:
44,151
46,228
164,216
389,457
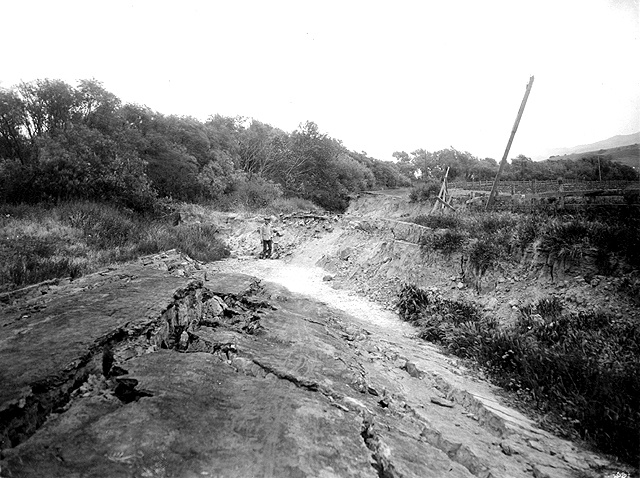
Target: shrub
483,254
424,191
527,230
198,241
448,242
567,239
495,222
493,238
433,314
248,192
614,238
617,236
583,368
103,225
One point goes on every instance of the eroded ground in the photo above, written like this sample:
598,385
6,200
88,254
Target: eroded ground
214,373
166,367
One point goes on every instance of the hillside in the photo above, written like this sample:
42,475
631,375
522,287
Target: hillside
628,155
609,143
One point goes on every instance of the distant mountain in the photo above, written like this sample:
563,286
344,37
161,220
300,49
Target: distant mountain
614,142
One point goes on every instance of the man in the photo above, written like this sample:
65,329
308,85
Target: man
266,233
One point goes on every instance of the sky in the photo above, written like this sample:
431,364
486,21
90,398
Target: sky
379,76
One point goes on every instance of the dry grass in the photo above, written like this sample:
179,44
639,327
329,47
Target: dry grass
71,239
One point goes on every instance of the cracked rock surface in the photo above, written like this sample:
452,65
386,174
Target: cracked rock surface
163,368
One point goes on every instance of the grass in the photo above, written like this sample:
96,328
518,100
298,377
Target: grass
584,369
447,242
581,368
488,238
439,221
43,242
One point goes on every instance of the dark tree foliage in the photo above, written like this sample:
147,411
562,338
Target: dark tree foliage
465,166
61,142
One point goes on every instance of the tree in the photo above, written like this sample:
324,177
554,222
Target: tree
259,149
97,107
521,168
401,156
49,106
190,134
12,122
483,170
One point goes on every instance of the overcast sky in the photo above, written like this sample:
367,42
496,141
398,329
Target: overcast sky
380,76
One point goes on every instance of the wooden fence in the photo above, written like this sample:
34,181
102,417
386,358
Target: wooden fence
536,187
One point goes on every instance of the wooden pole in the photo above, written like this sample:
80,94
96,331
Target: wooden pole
599,170
443,188
492,194
446,204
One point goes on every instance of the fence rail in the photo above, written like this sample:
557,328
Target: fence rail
535,187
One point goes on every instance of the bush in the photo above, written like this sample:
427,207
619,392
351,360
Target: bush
103,226
424,191
248,192
566,239
435,316
331,201
198,241
583,368
619,236
60,177
448,242
494,222
527,230
483,254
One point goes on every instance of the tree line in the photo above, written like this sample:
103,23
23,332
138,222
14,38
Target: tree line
465,166
60,142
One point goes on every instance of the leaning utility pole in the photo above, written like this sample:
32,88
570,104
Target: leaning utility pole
494,188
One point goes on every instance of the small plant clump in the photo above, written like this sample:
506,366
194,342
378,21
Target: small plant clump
583,368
